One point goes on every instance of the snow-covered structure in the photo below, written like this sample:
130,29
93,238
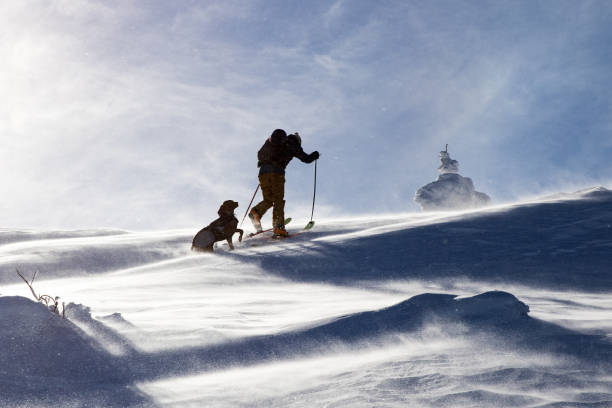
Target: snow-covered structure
451,190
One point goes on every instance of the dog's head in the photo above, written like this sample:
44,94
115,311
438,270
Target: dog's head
227,208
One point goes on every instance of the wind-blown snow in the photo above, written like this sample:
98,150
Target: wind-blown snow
507,306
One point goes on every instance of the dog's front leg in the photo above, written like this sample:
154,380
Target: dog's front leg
241,232
229,243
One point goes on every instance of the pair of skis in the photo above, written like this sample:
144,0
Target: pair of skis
287,221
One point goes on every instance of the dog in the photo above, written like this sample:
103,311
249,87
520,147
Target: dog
223,228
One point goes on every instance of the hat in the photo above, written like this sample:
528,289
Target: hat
278,136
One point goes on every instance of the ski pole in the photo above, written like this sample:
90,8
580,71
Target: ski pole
249,207
314,194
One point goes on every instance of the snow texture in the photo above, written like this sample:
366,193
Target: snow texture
504,307
450,190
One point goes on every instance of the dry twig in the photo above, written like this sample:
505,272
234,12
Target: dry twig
51,302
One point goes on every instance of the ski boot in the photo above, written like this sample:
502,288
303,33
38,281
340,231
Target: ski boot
280,232
256,220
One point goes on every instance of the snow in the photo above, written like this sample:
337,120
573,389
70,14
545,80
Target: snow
506,306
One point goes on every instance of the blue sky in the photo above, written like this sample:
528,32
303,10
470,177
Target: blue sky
147,115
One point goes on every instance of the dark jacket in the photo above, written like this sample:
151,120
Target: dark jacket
277,152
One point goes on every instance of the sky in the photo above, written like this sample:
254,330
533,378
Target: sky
146,115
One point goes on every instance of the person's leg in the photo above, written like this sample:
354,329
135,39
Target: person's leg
265,183
278,198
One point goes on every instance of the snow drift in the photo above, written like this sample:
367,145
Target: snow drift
43,345
47,360
563,244
57,254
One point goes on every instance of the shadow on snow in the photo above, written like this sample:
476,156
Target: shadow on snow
558,245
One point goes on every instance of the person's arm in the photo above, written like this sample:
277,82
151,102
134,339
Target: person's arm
297,151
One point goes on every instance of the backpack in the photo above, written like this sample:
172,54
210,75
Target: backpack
273,151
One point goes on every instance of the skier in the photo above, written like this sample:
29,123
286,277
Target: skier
223,228
273,158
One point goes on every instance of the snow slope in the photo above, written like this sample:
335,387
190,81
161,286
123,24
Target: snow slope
507,306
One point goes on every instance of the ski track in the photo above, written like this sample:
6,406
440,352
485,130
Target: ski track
322,319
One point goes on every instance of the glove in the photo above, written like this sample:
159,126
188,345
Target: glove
314,155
